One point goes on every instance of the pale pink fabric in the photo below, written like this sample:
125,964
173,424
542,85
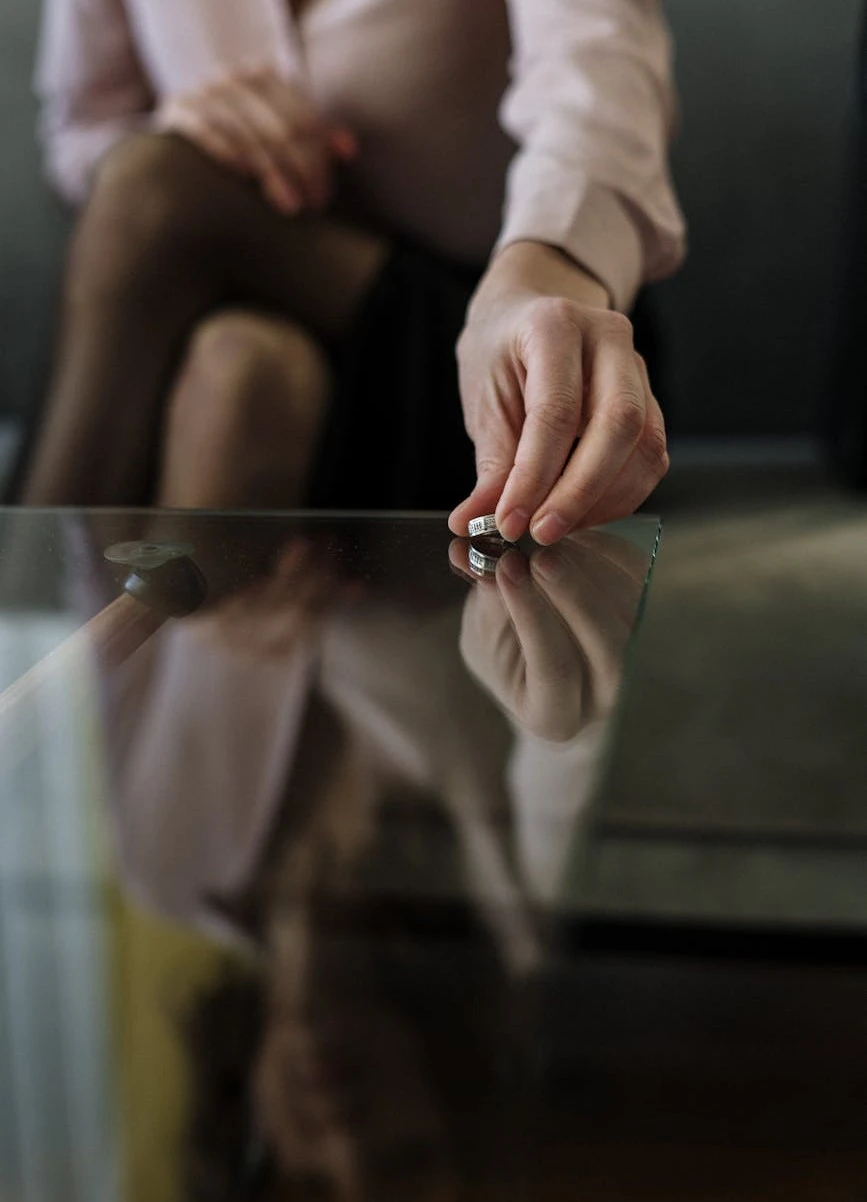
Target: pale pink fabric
481,122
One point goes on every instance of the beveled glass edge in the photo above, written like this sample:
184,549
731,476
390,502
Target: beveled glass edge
569,895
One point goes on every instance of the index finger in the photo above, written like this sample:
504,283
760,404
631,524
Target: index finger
290,102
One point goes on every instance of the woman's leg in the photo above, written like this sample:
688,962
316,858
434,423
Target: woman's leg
244,416
168,237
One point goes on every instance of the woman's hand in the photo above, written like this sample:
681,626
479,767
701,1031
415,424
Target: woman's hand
543,362
547,636
260,125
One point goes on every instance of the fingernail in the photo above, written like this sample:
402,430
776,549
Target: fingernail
514,567
549,528
514,524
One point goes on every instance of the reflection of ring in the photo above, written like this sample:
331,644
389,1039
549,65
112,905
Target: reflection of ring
481,564
485,525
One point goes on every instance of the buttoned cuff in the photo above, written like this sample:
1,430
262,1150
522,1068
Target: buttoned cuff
564,208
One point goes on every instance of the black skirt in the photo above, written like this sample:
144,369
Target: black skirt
395,437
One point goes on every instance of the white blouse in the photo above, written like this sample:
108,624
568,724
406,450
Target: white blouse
480,122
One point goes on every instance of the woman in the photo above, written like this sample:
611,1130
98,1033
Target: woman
287,208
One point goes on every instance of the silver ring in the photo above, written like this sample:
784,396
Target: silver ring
481,564
485,525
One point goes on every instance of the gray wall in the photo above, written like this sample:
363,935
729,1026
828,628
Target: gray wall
766,88
31,224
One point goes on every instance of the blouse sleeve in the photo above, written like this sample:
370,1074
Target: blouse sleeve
591,106
91,87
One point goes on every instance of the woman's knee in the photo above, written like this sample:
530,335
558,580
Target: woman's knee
247,378
147,202
245,415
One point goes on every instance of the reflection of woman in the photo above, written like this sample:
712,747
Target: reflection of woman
251,761
331,1087
209,730
288,206
258,751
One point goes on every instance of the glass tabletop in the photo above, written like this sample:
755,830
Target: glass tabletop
210,678
268,783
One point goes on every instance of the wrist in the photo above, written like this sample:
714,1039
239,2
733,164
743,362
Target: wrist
533,269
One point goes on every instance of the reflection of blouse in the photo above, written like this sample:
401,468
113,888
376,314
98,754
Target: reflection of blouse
202,739
589,106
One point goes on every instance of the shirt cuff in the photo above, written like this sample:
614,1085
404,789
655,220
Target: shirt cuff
564,208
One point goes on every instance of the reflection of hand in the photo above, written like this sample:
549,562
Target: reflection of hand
261,125
546,636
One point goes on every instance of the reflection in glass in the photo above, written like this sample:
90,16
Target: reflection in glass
357,781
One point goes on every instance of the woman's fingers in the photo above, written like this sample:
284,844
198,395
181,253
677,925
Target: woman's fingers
553,402
231,111
261,125
618,400
568,370
343,142
189,122
310,141
277,166
294,108
639,476
495,445
296,135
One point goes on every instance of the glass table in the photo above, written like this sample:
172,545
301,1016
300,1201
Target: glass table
182,669
295,817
